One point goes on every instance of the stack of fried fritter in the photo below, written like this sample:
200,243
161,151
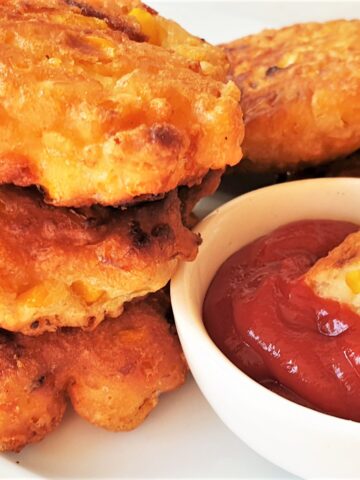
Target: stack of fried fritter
114,123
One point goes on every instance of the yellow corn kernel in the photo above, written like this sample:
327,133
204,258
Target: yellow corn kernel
61,19
353,281
87,292
42,295
103,44
149,25
207,67
287,60
55,61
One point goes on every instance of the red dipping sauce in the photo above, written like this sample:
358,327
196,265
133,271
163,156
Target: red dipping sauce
264,318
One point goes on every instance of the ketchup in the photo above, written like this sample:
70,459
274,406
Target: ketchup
270,324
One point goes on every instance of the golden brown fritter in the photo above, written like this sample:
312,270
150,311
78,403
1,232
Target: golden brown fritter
113,375
93,112
61,267
300,93
337,276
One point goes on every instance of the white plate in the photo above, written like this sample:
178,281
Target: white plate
182,438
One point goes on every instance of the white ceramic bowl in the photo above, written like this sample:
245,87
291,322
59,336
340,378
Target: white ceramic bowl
300,440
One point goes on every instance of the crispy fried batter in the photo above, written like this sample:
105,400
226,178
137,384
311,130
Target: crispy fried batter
337,276
94,113
166,33
112,375
300,93
61,267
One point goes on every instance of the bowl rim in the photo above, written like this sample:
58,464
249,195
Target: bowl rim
183,312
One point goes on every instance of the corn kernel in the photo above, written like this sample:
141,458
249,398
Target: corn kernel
149,25
55,61
287,60
353,281
103,44
42,295
86,292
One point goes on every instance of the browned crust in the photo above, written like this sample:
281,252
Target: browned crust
46,251
93,113
300,93
119,23
113,375
344,255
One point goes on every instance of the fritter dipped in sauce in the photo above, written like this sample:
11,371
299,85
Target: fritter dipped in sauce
262,313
